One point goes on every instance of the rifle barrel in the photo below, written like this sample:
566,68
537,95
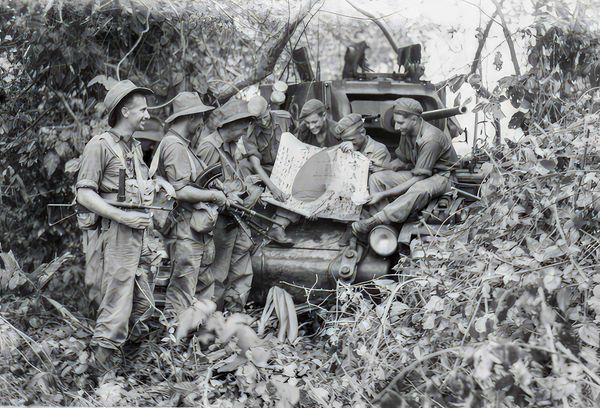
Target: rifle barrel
254,213
137,206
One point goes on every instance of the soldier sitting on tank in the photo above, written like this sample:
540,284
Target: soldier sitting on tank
353,135
425,156
261,143
315,128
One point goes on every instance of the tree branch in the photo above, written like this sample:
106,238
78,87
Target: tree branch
146,29
482,40
379,23
267,59
508,36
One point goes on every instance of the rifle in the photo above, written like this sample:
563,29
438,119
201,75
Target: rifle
75,208
249,212
78,208
210,177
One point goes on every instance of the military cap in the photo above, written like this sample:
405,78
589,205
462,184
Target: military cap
312,106
117,93
348,124
408,105
187,103
257,105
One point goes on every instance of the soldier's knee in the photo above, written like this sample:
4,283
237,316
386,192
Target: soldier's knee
375,182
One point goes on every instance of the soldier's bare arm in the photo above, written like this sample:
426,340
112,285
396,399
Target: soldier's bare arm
195,195
277,193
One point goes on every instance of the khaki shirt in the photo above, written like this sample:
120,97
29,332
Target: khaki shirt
327,135
377,153
212,150
263,143
177,163
99,169
430,152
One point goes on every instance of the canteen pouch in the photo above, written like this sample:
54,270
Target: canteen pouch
87,220
204,217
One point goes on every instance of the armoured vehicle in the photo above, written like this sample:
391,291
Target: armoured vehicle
317,261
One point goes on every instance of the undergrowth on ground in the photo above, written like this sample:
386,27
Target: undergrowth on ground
500,310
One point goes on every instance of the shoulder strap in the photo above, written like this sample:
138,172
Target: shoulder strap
191,157
113,146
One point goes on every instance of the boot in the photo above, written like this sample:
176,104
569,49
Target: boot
277,235
106,360
363,227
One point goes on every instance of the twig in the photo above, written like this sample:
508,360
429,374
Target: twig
508,36
146,29
477,59
29,340
414,365
69,110
554,210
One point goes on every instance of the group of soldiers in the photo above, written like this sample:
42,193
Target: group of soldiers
208,251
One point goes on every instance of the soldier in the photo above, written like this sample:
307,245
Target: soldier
113,237
262,140
232,268
315,128
261,144
351,131
426,155
189,240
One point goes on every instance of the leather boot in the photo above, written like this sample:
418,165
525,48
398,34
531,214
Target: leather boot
363,227
106,360
277,235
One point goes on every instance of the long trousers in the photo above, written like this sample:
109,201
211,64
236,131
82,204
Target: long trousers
191,276
116,282
232,268
414,199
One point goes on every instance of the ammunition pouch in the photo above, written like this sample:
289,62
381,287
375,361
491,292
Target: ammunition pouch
86,220
204,217
163,221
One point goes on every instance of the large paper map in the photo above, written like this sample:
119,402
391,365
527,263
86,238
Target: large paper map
326,183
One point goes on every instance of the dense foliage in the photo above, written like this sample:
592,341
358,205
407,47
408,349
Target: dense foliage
54,60
501,310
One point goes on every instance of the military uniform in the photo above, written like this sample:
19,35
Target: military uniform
377,153
326,137
263,143
191,253
232,268
429,154
113,250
